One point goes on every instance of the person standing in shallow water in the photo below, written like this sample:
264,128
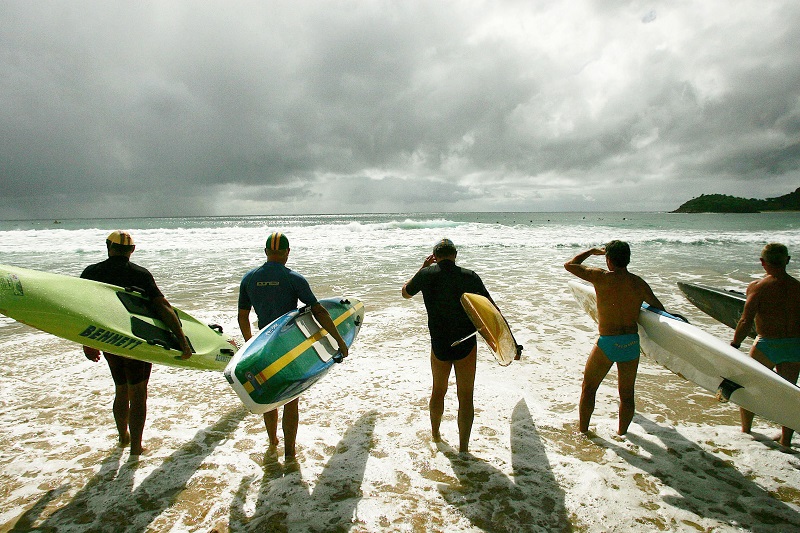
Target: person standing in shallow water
131,376
773,303
619,298
274,290
442,283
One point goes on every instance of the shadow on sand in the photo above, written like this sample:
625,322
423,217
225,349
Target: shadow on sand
108,501
532,501
708,486
285,501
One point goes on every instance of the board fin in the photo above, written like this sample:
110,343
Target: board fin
725,390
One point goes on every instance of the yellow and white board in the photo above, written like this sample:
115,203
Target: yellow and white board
492,326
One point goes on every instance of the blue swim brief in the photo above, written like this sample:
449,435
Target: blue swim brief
780,350
620,348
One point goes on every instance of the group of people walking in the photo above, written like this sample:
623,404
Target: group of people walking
272,289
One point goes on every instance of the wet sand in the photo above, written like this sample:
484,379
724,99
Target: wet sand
365,460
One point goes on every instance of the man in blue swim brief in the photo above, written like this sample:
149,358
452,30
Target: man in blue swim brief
620,348
619,297
779,350
773,304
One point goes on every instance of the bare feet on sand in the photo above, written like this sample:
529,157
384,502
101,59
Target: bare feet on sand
779,439
137,450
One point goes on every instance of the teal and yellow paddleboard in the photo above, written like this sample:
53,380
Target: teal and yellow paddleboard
290,354
109,318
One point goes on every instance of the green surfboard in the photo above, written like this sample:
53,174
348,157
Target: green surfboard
109,318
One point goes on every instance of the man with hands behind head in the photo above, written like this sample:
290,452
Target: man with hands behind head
442,283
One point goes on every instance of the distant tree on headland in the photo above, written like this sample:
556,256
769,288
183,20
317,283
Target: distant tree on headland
722,203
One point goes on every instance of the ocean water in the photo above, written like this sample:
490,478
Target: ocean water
365,460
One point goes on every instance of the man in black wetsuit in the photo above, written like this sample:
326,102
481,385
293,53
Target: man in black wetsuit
442,283
131,376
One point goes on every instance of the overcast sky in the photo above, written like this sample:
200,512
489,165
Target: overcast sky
219,108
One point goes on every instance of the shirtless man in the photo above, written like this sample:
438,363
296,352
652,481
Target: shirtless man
773,302
619,297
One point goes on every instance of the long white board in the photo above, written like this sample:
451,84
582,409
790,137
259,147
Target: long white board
709,362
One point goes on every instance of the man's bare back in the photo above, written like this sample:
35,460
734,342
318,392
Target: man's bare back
776,301
773,304
619,298
619,293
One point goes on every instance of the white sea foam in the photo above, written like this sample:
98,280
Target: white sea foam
365,460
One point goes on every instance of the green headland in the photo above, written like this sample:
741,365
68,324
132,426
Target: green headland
722,203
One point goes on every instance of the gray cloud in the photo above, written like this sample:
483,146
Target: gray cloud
179,108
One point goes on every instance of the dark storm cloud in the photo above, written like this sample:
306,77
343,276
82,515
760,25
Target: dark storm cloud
342,106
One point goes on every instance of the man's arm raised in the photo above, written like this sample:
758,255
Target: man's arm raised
575,267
